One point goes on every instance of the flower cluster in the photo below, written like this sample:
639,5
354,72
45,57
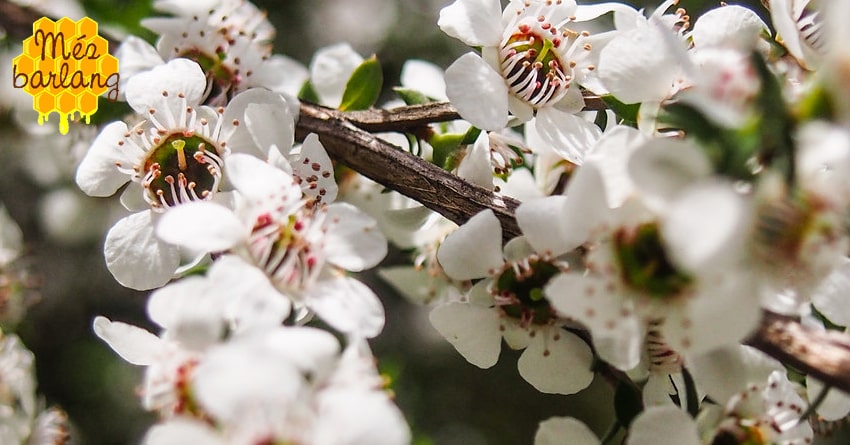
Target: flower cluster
644,187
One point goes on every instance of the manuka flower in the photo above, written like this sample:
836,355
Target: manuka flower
531,64
509,303
230,39
764,413
634,279
175,155
303,247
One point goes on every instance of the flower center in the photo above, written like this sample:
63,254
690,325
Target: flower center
800,237
518,290
644,264
288,250
221,77
532,67
181,169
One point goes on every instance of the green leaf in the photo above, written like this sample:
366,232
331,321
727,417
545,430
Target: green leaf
363,87
627,112
308,93
411,96
628,402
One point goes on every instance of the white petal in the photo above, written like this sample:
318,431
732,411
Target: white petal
541,221
472,330
135,256
355,416
586,208
132,197
474,249
281,74
784,21
556,362
478,92
706,322
270,125
417,285
723,372
564,430
516,336
425,77
134,56
251,299
663,167
567,134
618,339
201,227
719,215
353,241
97,174
610,154
311,350
11,238
133,344
239,137
474,22
589,12
259,181
314,167
636,66
730,26
236,381
835,406
475,166
830,297
180,431
658,389
330,70
144,90
663,424
347,305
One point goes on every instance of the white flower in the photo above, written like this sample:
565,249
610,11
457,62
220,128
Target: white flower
767,412
228,38
509,303
172,157
634,276
530,65
648,61
303,249
288,385
799,238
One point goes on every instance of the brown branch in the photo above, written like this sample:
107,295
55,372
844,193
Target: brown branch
824,355
410,118
399,170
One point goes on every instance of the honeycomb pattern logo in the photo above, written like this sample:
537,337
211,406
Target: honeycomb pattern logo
65,65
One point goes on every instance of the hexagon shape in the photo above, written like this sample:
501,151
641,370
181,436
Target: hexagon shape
86,27
66,102
87,103
44,102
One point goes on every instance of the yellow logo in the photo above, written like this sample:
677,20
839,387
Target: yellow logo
65,66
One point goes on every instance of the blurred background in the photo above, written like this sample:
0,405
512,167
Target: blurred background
446,400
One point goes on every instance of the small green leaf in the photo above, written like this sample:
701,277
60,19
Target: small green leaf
308,93
363,87
411,96
628,403
627,112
